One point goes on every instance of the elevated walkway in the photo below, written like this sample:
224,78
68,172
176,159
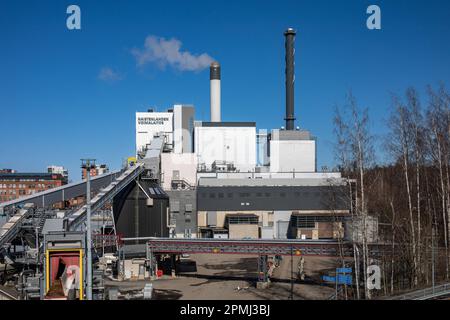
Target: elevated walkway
257,246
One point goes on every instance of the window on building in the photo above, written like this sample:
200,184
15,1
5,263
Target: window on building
241,219
175,206
304,222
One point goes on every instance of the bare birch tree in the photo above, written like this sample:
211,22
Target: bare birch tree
354,150
436,116
417,132
400,144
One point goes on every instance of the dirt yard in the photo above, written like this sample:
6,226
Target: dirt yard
225,277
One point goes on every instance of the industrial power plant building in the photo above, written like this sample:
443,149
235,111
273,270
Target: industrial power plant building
228,180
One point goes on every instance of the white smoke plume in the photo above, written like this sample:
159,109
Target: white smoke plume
167,52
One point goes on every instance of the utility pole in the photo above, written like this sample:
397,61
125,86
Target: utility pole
88,164
291,296
37,249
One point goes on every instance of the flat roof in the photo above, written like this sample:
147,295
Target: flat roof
28,175
266,182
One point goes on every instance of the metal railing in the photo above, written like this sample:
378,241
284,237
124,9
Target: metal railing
10,229
54,195
77,218
6,296
425,294
231,246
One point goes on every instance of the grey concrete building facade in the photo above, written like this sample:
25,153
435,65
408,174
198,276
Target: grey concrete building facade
183,213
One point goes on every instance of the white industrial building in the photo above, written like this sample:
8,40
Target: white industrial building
292,151
183,128
150,123
178,168
176,125
226,180
233,143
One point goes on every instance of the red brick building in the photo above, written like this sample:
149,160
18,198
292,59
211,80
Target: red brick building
14,185
98,170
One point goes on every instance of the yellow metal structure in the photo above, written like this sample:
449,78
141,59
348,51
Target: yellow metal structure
47,267
131,161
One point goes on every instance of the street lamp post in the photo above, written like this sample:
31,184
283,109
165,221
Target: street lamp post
88,164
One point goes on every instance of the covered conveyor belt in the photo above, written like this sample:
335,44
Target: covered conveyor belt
69,191
12,227
106,194
9,230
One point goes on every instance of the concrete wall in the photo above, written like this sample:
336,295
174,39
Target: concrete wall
292,155
184,163
322,230
267,233
183,134
264,217
183,213
239,231
201,219
274,222
231,144
283,217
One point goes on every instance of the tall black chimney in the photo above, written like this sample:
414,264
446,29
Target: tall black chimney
290,39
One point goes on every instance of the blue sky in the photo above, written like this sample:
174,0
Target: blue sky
57,105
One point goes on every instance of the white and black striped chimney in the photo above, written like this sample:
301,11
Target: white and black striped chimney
214,78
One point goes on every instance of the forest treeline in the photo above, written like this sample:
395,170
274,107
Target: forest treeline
409,193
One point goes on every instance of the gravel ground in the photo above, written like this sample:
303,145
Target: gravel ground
226,277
